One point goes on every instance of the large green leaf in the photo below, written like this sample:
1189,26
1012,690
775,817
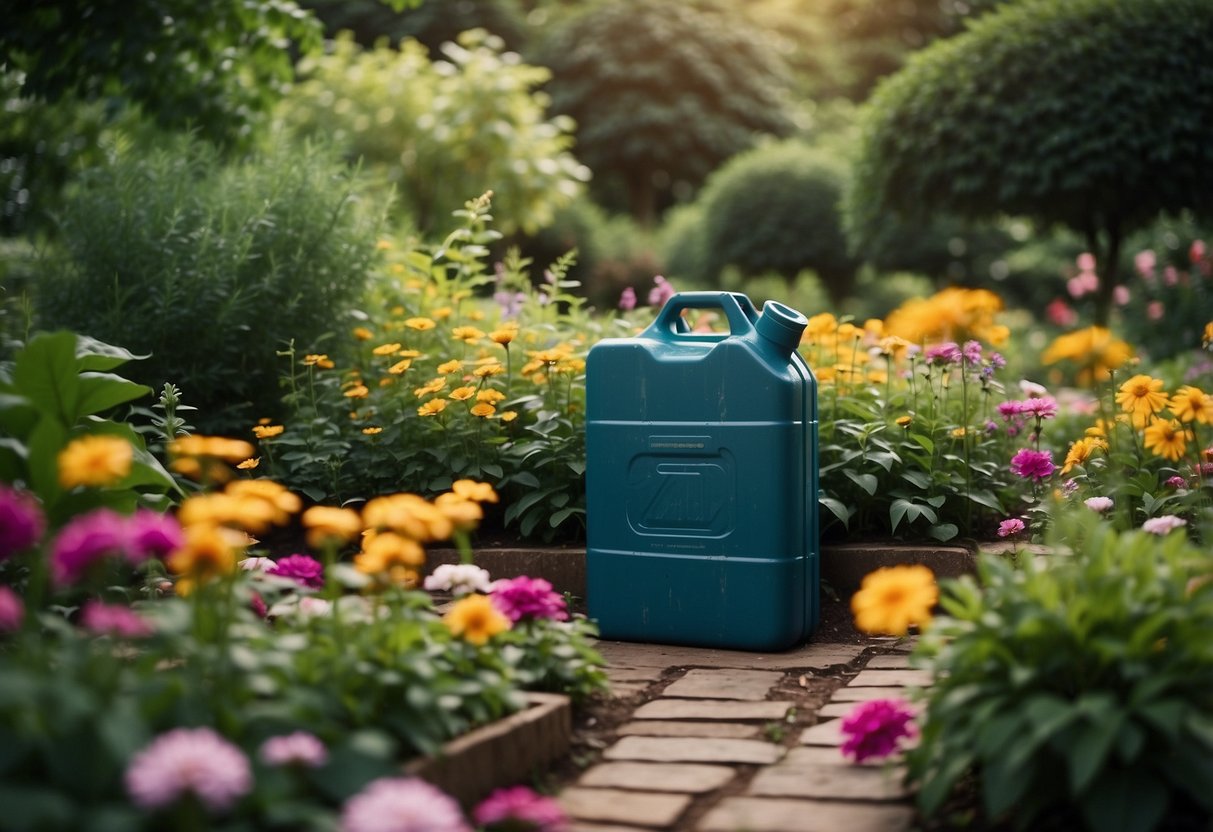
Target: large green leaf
101,391
45,373
94,355
1125,800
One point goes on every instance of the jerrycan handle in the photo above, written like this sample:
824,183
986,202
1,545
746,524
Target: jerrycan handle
738,309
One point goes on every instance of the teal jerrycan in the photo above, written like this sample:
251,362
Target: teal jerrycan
701,480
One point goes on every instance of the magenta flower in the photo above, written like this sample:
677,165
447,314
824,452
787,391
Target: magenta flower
1177,482
531,598
1163,525
12,610
948,353
519,809
300,748
874,730
21,521
402,804
1030,464
114,620
84,541
972,352
1010,527
627,299
1043,407
662,291
151,534
185,761
257,605
302,569
1010,409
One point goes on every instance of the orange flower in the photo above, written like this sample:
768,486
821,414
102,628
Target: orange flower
462,394
432,408
452,366
483,410
475,619
481,492
362,333
358,391
467,334
894,598
329,524
1192,404
400,366
387,349
95,460
1166,438
267,431
420,324
490,396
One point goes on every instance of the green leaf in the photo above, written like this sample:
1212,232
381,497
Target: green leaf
101,391
94,355
924,441
916,478
867,482
985,498
943,532
838,508
45,373
1086,755
1125,800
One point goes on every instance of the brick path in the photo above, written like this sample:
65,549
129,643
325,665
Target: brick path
700,754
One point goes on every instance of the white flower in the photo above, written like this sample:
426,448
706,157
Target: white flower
1163,525
1098,504
256,564
458,579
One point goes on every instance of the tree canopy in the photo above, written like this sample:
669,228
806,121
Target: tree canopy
1093,114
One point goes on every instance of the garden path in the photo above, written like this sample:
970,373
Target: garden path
704,740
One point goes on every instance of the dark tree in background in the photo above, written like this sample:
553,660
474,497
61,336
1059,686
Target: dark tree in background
663,91
1090,114
432,22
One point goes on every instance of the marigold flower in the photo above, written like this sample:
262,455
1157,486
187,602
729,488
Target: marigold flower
218,447
185,761
452,366
488,370
549,356
1141,397
318,360
95,460
420,324
267,431
387,349
283,501
400,366
894,598
390,557
904,421
329,524
433,386
249,464
874,730
463,514
483,410
442,312
1192,404
462,394
1166,438
490,396
402,804
362,333
475,619
432,408
409,515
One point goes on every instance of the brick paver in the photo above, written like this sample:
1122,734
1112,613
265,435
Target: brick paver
621,806
669,728
724,683
760,814
688,778
892,678
694,750
709,709
830,782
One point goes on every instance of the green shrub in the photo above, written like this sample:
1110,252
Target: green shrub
210,267
775,209
683,246
1076,687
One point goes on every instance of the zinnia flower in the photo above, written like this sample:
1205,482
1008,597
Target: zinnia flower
12,610
114,620
874,730
185,761
1177,482
300,748
475,619
1010,527
96,460
1166,438
458,579
1032,464
946,353
1098,504
1163,525
894,598
304,570
84,541
21,521
402,804
528,598
520,809
151,534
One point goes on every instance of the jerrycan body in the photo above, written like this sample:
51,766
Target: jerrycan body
701,480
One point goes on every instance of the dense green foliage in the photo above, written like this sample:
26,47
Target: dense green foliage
1076,688
662,93
210,267
442,130
432,22
1087,113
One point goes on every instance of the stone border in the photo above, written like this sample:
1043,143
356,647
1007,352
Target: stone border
502,753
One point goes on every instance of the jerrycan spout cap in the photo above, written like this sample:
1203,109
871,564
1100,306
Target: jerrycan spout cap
781,325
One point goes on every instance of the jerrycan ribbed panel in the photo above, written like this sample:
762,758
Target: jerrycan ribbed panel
701,480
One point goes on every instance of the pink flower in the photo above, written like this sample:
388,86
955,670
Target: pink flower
1010,409
662,291
523,597
302,569
520,809
1197,251
21,521
1032,464
12,610
1086,262
1043,407
402,804
185,761
1121,295
257,605
1098,504
84,541
1155,310
1163,525
873,730
1010,527
1059,313
114,620
1144,262
1177,482
1170,276
947,353
299,748
972,352
627,299
151,534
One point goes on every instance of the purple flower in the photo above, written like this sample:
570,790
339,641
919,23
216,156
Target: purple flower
21,521
185,761
299,748
662,291
972,352
947,353
114,620
520,809
523,597
84,541
1010,527
873,730
509,302
1163,525
304,570
402,804
12,610
151,534
627,299
1177,482
997,361
1032,464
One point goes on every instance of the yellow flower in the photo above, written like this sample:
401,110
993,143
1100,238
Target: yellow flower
372,430
363,334
432,386
267,431
358,391
432,408
420,324
1192,404
282,501
1081,450
490,396
329,524
463,513
462,394
207,552
467,334
849,330
1207,339
504,335
1166,438
475,619
400,366
549,356
894,598
481,492
1094,349
509,416
95,460
249,464
316,360
442,313
1141,397
904,421
384,244
409,515
452,366
387,349
820,326
483,410
488,370
390,557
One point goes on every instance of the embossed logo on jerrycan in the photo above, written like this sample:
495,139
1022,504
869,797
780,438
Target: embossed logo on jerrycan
701,480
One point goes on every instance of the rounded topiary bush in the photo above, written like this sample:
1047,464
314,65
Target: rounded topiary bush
211,267
775,209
